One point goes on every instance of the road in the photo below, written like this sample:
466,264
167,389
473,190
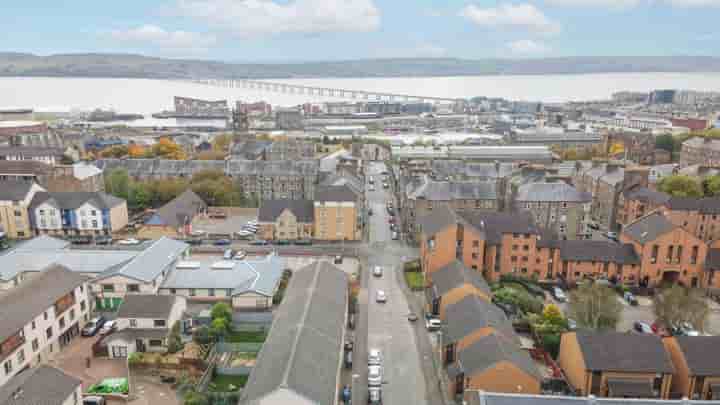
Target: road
388,328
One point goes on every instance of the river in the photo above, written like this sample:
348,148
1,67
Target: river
146,96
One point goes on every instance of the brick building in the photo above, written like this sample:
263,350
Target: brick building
637,201
700,151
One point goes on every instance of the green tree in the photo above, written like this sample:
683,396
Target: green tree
195,398
676,305
553,315
711,186
221,310
665,142
175,343
595,306
681,186
219,327
117,182
139,196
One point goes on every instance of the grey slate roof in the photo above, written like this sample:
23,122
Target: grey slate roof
146,306
709,205
598,251
497,398
75,199
31,151
495,224
22,304
43,385
705,143
433,190
343,179
147,265
702,354
468,315
130,334
180,211
437,220
250,149
14,190
552,192
647,195
491,350
237,167
628,352
335,194
455,275
649,228
24,167
450,168
260,276
303,210
300,359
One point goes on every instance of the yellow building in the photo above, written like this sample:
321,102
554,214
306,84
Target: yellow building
336,214
15,197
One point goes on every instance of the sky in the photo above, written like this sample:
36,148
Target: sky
322,30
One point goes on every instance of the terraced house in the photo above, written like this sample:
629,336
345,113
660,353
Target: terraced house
15,198
77,213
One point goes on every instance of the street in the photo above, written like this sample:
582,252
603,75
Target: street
388,328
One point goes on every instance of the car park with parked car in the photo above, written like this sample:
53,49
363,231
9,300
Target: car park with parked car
643,327
559,294
93,326
377,271
380,297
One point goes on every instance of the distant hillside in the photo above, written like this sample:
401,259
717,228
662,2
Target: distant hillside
136,66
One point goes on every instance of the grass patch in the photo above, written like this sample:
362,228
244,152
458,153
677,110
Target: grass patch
414,280
222,383
245,356
246,337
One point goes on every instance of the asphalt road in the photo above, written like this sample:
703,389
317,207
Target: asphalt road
388,327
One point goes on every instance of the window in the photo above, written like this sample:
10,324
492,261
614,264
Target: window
474,255
32,325
654,255
45,315
669,254
133,323
228,292
211,292
49,332
476,243
61,323
21,356
678,258
133,287
513,259
694,255
192,292
173,291
94,223
93,213
72,314
18,213
82,305
526,248
514,247
8,367
108,288
35,345
155,342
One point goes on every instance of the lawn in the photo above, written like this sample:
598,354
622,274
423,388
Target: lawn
221,383
414,280
246,337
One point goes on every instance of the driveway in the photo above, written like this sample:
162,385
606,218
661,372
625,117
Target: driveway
73,360
148,390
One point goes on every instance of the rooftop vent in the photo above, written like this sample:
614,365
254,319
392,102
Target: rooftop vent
223,265
188,265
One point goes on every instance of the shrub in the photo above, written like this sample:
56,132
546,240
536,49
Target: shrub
520,299
412,266
175,343
531,286
202,335
551,344
135,359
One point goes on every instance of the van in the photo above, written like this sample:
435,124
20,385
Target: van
228,255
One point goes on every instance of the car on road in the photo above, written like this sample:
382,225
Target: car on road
374,396
375,376
194,242
304,242
412,317
222,242
612,235
93,326
572,324
377,271
346,395
282,242
630,298
103,240
129,241
244,234
228,254
108,328
259,242
433,324
371,188
395,235
643,327
198,232
380,296
374,357
348,359
370,212
239,255
93,400
559,294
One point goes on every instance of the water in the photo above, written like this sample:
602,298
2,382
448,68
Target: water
149,96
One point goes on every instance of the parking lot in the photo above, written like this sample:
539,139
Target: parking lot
225,226
73,360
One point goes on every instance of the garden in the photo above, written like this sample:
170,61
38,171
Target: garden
413,275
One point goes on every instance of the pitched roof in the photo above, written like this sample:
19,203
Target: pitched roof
491,350
598,251
147,265
43,385
702,354
647,195
437,220
709,205
335,193
468,315
433,190
179,211
14,190
552,192
495,224
24,167
270,210
301,356
75,199
21,304
455,275
618,351
649,228
146,306
497,398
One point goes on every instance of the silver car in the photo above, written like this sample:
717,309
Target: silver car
374,376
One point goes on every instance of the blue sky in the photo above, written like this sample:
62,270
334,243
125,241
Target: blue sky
302,30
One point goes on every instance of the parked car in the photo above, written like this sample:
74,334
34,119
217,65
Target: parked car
385,185
374,357
259,242
93,400
372,188
239,255
304,242
338,259
412,317
228,254
371,180
93,326
559,294
370,212
643,327
198,232
282,242
346,395
433,324
630,298
612,235
223,242
103,240
130,241
194,242
380,296
108,328
572,324
391,219
375,376
377,271
348,359
374,395
395,235
244,233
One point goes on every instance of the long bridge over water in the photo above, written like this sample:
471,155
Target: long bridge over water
297,89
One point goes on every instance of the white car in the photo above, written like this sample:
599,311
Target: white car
374,376
199,232
433,324
377,271
108,328
130,241
559,294
253,223
374,357
380,296
239,255
244,233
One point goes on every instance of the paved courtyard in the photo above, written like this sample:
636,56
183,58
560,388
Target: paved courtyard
73,361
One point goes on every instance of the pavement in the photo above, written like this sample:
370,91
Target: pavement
73,360
387,326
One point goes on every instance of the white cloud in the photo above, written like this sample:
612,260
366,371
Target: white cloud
528,47
154,35
522,16
257,17
619,4
695,3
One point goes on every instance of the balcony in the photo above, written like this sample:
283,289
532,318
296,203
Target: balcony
11,344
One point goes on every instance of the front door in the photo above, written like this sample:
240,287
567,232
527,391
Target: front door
460,384
140,345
